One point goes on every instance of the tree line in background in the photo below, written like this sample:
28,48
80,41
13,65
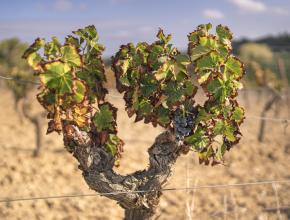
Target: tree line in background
275,47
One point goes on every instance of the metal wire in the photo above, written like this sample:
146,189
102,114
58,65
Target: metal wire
269,118
22,81
220,186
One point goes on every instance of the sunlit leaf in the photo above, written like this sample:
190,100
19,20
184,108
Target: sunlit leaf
238,114
57,76
70,55
79,91
34,60
234,68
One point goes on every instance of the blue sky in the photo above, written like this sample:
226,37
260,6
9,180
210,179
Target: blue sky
122,21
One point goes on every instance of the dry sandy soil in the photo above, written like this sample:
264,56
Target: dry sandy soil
55,172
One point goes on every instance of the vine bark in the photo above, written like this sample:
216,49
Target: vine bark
97,167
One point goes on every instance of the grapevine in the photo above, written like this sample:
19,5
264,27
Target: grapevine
159,87
72,86
158,84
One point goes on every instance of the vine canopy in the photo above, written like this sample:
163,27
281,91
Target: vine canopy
159,85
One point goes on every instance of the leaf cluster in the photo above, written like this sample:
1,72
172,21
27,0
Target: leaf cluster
72,91
159,85
157,81
154,78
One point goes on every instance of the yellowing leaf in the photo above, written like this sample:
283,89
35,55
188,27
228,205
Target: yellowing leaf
34,60
238,114
80,116
234,68
70,55
80,91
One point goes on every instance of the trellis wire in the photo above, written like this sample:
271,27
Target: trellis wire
220,186
269,118
22,81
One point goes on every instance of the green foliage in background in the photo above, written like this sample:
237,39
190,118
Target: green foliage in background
261,63
12,65
260,53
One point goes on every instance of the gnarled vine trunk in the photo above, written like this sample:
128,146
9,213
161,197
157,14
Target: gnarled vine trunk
131,214
97,166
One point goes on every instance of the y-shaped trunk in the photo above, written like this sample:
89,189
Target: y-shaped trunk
97,166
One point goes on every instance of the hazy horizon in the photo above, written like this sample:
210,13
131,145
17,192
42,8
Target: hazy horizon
122,21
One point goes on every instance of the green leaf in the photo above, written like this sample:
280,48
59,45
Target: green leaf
229,133
34,60
238,114
209,41
225,129
80,91
220,89
52,49
205,155
37,45
124,80
148,85
198,140
104,118
216,87
224,33
88,33
209,62
158,49
203,77
233,68
219,128
47,99
173,93
198,51
112,144
125,65
189,88
57,76
203,116
70,55
163,116
162,72
162,37
182,59
144,107
92,32
221,151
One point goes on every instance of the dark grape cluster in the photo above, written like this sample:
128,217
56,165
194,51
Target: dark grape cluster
183,122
